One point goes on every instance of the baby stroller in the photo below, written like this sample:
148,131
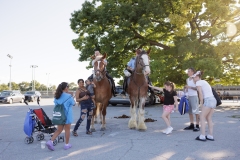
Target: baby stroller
37,121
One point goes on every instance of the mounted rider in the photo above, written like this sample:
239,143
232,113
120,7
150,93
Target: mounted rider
130,69
97,53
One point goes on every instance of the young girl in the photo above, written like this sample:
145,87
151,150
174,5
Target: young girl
170,98
90,87
61,96
206,96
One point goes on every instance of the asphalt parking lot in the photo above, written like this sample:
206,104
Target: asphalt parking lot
118,142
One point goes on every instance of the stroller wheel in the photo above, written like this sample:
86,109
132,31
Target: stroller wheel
27,140
42,136
38,137
31,139
60,138
55,142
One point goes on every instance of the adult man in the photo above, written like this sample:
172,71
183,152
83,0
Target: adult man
193,101
97,53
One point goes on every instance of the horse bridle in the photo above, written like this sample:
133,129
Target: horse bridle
143,66
102,72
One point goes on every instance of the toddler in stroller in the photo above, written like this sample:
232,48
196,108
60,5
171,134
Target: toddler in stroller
37,121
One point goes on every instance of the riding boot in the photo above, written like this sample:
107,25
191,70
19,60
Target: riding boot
125,86
91,77
150,83
113,83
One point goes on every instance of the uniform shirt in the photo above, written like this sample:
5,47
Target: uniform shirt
191,92
206,88
168,97
131,63
67,105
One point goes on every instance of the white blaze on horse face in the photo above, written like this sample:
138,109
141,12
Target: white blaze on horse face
99,65
146,62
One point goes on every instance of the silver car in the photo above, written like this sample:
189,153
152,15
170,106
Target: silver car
11,96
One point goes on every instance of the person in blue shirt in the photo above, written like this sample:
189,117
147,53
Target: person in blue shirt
63,97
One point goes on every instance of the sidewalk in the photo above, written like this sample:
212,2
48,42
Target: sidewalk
120,143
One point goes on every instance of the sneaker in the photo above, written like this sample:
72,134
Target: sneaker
164,131
169,130
196,129
191,127
67,146
49,144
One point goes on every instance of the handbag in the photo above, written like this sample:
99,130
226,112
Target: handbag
183,106
59,116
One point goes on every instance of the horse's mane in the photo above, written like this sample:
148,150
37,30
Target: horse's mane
96,59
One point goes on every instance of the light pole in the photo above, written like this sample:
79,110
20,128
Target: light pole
33,80
10,83
47,81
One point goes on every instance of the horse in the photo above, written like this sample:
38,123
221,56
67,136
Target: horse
102,91
137,90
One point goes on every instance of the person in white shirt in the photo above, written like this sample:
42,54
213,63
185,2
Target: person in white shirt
193,101
208,103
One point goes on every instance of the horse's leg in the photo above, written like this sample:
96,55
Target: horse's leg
104,112
141,111
132,123
93,120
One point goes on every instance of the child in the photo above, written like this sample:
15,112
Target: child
170,96
90,87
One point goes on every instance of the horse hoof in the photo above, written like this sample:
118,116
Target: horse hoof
103,129
93,130
142,130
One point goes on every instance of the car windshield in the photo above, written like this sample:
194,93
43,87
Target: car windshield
5,94
29,92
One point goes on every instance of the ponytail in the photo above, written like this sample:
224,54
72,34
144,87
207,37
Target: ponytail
60,89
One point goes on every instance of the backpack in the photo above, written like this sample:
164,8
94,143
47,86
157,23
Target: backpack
59,116
218,99
183,106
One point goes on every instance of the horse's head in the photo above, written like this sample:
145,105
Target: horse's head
142,61
99,67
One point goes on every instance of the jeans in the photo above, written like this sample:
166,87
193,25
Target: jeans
86,109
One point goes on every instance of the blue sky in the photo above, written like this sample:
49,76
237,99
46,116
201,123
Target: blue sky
39,33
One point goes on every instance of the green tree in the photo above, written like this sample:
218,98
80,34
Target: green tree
72,86
3,87
181,34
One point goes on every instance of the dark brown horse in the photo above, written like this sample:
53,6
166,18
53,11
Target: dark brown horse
102,91
137,90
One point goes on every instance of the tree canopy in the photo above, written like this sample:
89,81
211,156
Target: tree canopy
181,33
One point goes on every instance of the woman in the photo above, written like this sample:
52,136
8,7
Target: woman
84,98
208,103
62,97
170,98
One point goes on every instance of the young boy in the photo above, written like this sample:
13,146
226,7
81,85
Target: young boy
90,87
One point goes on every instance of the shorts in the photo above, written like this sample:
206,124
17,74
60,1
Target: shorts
92,94
193,105
168,108
210,102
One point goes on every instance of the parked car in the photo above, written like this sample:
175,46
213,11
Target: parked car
124,99
11,96
31,96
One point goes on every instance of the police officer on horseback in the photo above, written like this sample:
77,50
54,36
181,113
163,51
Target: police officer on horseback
97,53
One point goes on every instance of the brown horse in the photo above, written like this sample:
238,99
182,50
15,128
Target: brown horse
102,91
137,90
